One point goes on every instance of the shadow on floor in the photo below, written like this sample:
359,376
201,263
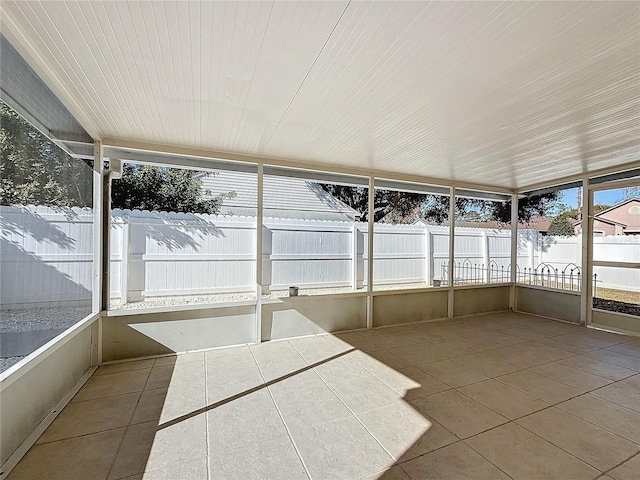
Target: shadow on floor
480,397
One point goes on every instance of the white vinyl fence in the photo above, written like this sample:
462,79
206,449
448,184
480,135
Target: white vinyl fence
47,255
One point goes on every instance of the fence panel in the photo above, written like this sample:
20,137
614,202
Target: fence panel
166,254
308,253
188,254
399,254
46,255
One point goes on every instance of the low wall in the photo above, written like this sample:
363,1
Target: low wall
131,335
559,304
398,308
469,301
29,394
616,321
299,316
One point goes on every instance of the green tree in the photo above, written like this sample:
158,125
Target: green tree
576,213
631,192
561,227
406,207
34,170
146,187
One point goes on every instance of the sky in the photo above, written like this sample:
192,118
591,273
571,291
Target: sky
604,197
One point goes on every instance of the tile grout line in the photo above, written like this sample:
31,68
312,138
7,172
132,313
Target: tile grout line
637,454
545,408
492,463
611,382
462,337
562,449
293,442
592,349
569,413
126,428
206,419
139,393
353,413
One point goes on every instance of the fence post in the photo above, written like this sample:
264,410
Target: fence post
136,265
357,258
427,257
485,257
579,250
532,249
124,262
267,249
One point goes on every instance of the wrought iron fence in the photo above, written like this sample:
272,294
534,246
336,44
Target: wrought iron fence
466,272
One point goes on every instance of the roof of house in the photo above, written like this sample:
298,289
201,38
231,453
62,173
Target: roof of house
619,204
609,221
311,201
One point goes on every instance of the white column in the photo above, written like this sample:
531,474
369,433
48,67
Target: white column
259,238
372,194
586,250
98,226
452,215
97,290
514,251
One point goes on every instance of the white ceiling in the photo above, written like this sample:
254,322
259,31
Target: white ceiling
506,94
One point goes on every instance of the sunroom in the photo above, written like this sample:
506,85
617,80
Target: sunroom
282,240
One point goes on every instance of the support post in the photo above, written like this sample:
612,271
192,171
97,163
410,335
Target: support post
514,251
452,230
371,212
99,246
587,248
259,239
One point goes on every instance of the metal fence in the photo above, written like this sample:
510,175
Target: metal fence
466,272
544,275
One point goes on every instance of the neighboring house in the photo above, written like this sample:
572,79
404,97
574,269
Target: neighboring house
310,200
621,219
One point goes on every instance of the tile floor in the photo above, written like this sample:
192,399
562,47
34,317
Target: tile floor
495,396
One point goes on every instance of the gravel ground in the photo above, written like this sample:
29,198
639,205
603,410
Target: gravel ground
618,295
8,362
621,301
31,319
239,297
186,300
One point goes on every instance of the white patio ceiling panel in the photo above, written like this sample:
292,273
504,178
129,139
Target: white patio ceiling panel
505,94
